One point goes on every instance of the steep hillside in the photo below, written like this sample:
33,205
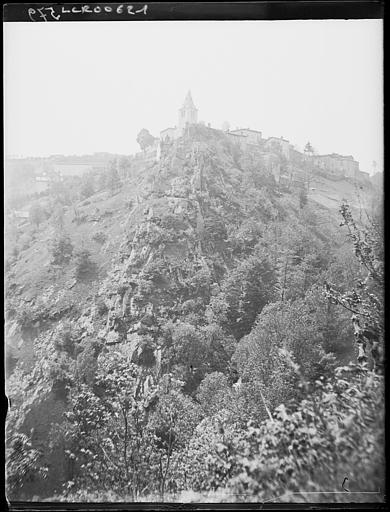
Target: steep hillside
172,267
180,220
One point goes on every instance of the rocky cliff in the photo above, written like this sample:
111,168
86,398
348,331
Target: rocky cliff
193,247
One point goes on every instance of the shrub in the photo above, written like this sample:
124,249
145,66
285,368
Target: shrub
61,250
101,307
310,445
99,237
214,392
37,214
23,464
84,266
66,339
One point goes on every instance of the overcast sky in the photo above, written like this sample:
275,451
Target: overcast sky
78,88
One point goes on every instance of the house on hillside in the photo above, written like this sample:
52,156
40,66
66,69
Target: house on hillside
71,169
278,145
237,138
168,134
250,136
22,214
363,176
296,157
20,217
42,183
337,165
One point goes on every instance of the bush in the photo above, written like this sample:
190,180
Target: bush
99,237
26,241
101,306
61,250
27,314
214,393
311,445
84,266
23,464
37,214
66,339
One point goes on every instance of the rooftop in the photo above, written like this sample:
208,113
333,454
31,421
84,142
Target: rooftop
236,134
335,155
245,130
277,138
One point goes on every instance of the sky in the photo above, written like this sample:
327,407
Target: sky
84,87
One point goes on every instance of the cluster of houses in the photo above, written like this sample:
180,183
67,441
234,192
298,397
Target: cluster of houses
271,149
335,165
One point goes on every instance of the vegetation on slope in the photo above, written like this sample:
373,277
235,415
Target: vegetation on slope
188,327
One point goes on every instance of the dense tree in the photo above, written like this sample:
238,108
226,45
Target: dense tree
23,464
37,214
61,249
84,266
112,179
366,299
105,429
309,149
214,393
173,422
124,167
87,188
145,139
248,288
302,197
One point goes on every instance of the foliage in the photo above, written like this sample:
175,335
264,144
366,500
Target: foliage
27,313
193,351
124,167
84,266
62,192
302,197
336,430
61,249
145,139
112,179
206,362
99,237
37,214
366,300
106,431
66,339
309,149
197,469
87,188
172,422
57,217
23,464
214,393
248,288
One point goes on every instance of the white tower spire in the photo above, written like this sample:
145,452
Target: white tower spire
188,114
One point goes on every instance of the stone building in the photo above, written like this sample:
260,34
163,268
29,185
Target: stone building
278,145
250,136
337,165
168,133
188,114
237,138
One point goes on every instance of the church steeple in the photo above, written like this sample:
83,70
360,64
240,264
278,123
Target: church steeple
188,114
189,102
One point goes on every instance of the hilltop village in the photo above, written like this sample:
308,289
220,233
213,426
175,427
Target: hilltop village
334,165
290,167
167,310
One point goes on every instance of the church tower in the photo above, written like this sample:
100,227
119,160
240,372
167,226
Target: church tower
188,114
